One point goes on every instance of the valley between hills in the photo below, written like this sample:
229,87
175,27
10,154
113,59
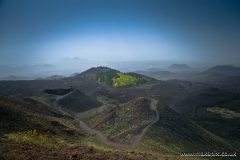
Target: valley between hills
103,113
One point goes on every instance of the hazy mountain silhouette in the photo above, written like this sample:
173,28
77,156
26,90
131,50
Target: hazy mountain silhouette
179,67
224,68
228,70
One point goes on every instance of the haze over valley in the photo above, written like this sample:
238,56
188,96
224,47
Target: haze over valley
68,67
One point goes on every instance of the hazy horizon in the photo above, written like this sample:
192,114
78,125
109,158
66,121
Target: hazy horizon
69,66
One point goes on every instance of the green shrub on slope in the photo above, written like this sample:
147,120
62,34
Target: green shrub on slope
118,79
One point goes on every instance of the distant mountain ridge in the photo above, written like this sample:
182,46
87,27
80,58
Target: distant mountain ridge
224,68
228,70
15,78
179,67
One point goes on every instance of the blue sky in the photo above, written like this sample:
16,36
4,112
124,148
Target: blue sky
46,30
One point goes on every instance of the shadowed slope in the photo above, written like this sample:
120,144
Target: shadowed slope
77,101
174,134
31,114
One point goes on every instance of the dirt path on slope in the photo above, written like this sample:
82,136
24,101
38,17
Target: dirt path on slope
103,139
137,142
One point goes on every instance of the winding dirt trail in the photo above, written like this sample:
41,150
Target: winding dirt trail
137,142
103,139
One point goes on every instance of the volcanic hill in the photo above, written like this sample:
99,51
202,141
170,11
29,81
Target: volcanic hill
179,67
123,123
228,70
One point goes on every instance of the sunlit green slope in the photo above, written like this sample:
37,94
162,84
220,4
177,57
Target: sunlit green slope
116,78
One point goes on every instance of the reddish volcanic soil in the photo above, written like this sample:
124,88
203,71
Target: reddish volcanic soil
27,151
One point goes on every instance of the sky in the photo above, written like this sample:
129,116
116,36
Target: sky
120,30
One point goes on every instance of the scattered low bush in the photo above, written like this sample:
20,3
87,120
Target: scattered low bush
31,136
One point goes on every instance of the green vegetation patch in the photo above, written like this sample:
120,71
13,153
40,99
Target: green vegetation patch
118,79
225,113
31,136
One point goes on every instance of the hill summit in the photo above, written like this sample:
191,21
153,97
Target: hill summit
119,79
179,67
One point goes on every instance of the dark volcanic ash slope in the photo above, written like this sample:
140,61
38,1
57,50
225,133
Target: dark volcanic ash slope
199,95
182,96
77,101
31,114
85,81
175,134
124,122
